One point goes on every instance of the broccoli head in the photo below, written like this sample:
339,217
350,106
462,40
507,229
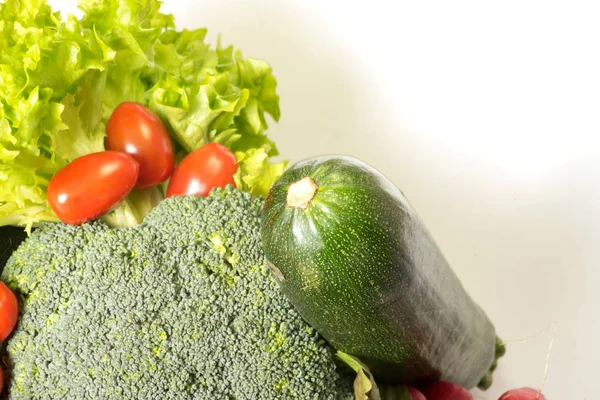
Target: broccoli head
181,306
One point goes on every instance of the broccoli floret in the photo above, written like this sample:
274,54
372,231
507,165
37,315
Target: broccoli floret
181,306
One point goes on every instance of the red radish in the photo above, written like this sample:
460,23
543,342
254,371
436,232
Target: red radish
522,394
414,393
400,392
442,390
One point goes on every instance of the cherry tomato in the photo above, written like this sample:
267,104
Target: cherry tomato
92,185
9,311
139,132
204,169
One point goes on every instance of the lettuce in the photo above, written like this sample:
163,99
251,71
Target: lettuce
365,387
61,78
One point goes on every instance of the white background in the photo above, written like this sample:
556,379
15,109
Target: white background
487,115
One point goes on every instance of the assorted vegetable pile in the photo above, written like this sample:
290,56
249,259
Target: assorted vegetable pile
167,256
60,81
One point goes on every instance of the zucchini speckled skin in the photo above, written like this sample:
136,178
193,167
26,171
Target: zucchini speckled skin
361,268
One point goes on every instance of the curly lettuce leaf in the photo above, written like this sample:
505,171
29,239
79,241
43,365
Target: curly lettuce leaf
227,93
256,173
365,387
44,116
61,78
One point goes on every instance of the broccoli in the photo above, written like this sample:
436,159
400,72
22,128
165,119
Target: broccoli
181,306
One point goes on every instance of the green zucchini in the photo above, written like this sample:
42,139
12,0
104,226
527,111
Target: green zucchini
359,265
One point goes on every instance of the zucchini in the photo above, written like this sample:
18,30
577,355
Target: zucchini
359,265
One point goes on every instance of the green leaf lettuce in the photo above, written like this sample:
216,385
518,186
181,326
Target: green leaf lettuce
60,79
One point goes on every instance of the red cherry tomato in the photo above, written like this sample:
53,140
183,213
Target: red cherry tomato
92,185
211,166
9,311
139,132
522,394
1,379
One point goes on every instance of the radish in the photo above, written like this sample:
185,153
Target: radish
414,393
403,392
442,390
522,394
